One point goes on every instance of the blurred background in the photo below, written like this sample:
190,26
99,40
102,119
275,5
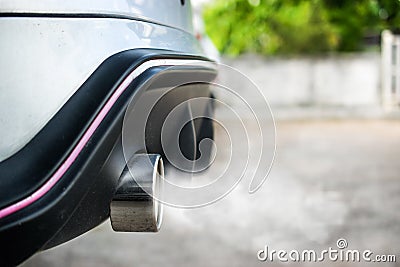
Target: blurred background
330,70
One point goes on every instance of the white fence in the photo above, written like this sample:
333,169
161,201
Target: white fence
342,80
360,80
391,70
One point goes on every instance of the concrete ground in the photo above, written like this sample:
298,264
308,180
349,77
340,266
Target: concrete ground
331,179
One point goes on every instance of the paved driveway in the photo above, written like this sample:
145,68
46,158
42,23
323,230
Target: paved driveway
331,179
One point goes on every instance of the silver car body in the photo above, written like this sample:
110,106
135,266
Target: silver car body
49,48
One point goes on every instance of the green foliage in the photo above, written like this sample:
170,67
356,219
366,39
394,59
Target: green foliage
389,13
296,26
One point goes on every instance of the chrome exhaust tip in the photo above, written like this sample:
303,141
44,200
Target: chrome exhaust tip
135,206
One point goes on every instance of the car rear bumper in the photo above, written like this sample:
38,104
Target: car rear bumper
62,182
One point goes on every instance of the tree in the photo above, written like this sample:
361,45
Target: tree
297,26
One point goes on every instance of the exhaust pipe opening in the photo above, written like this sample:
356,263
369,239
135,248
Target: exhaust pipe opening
135,206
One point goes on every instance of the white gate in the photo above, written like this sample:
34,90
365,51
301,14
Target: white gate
391,70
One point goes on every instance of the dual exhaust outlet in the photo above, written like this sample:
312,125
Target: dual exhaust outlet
136,206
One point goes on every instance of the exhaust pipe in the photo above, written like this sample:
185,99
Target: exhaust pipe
135,207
